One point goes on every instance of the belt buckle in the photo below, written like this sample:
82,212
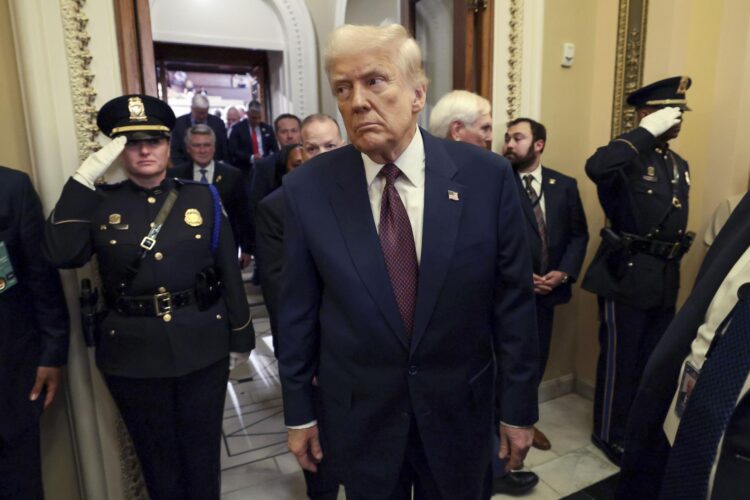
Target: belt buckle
162,303
673,251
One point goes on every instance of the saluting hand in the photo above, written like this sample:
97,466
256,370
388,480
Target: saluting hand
97,163
662,120
49,377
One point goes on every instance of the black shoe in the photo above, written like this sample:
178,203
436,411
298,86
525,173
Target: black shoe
613,451
515,483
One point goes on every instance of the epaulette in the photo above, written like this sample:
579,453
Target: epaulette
188,182
110,187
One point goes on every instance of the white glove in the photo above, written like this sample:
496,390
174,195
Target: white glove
237,358
98,163
660,121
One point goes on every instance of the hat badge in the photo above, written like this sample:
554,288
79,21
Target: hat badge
682,88
137,110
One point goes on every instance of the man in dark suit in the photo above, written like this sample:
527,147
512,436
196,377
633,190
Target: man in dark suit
33,336
265,180
556,229
406,267
198,115
200,141
643,188
250,141
688,435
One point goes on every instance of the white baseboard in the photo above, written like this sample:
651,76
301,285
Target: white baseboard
565,384
556,387
585,388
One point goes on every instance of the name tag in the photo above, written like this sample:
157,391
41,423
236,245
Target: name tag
687,383
7,274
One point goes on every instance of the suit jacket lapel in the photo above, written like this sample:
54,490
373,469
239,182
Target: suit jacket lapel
351,205
551,198
441,222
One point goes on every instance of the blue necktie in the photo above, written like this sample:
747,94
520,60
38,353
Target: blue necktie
203,175
708,410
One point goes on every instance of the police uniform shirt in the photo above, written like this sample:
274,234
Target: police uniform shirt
536,183
722,304
209,172
111,222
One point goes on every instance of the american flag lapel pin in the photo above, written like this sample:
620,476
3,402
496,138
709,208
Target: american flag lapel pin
453,195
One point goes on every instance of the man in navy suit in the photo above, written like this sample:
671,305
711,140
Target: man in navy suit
33,335
201,143
250,141
198,115
407,295
556,229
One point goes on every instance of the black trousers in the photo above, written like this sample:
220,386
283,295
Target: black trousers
627,337
21,465
175,424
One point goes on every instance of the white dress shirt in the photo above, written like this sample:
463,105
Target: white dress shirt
722,304
410,186
536,183
209,172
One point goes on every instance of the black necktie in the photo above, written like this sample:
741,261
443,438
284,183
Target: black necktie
397,242
708,410
539,216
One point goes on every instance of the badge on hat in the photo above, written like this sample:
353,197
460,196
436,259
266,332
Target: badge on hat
193,217
137,110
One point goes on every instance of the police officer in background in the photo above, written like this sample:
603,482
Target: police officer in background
175,302
643,188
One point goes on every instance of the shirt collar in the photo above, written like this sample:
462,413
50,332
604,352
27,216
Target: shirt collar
209,167
536,174
411,162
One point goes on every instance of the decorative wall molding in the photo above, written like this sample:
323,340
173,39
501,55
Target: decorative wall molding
631,46
515,59
300,57
80,75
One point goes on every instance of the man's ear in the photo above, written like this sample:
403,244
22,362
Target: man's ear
454,131
539,145
420,96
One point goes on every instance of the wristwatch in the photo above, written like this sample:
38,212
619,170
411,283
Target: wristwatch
565,278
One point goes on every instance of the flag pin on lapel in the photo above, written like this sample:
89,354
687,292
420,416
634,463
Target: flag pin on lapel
452,195
552,181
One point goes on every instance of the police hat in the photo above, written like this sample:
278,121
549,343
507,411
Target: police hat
136,117
667,92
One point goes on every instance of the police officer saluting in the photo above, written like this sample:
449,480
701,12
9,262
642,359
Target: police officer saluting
175,301
643,188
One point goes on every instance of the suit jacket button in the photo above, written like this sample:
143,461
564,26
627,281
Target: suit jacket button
413,370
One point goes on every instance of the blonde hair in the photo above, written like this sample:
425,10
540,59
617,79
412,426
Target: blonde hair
350,39
458,105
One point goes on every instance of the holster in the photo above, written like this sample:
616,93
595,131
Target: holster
91,318
207,288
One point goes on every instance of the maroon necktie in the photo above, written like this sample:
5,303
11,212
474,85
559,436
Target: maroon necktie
539,216
397,242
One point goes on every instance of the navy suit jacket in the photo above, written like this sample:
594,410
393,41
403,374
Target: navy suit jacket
34,328
241,147
567,231
230,185
474,336
179,154
646,446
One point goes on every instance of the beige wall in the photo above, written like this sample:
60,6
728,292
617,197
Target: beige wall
708,41
14,148
58,462
576,109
